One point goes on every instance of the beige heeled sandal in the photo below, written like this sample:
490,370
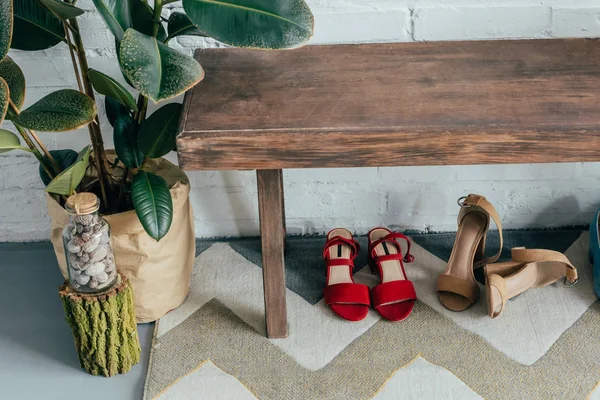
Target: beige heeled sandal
457,288
528,269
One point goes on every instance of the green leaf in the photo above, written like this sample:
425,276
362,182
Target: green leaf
153,204
142,19
116,15
60,111
107,86
156,70
179,24
62,10
118,48
67,181
159,132
125,136
12,74
35,28
264,24
114,109
6,26
64,157
4,96
8,141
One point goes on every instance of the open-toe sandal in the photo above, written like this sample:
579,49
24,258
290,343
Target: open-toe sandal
529,268
395,297
456,287
347,299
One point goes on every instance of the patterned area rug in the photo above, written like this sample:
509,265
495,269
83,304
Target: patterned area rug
546,344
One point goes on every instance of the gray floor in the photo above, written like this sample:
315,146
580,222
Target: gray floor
37,355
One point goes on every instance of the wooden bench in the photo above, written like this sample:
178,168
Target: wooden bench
395,104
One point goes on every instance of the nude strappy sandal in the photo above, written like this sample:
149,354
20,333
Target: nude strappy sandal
528,269
347,299
394,299
457,288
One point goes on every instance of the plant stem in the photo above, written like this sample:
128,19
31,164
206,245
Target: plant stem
158,5
36,152
94,129
72,53
143,107
46,152
68,26
120,198
26,138
53,162
48,170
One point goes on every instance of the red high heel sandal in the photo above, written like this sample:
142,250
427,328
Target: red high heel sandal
395,297
347,299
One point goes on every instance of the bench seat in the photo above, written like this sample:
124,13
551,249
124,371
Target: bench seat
395,104
391,104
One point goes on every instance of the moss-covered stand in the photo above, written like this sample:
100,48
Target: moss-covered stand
104,328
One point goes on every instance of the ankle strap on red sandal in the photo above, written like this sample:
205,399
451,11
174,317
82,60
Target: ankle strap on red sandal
339,240
391,238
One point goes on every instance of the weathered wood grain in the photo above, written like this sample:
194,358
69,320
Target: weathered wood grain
272,233
385,148
395,104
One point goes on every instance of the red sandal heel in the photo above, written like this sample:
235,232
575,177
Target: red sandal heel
347,299
395,297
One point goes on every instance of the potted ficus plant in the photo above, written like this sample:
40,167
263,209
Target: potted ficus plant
144,197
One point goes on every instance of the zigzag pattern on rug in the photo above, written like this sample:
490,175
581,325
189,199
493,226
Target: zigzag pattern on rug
546,345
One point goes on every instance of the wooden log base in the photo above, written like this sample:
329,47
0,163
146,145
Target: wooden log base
104,328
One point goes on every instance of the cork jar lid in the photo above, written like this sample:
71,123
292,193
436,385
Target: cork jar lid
82,203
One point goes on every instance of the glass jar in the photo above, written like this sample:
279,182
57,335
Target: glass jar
90,258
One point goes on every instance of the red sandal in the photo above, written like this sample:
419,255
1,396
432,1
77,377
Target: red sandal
395,297
347,299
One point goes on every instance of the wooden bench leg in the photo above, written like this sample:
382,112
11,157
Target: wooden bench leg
272,232
282,208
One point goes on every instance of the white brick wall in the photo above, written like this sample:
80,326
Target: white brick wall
359,198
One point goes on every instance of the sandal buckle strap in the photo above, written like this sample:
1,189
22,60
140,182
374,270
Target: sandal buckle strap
541,255
482,204
389,257
570,284
339,240
391,238
334,262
